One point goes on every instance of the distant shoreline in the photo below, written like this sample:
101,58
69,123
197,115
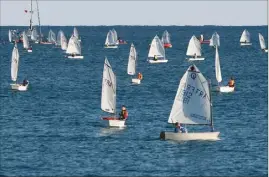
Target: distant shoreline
141,25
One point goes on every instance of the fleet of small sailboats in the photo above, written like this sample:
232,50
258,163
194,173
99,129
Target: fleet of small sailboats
108,98
245,38
262,43
194,49
192,106
193,102
157,51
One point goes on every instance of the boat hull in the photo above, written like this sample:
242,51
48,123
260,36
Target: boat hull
115,122
243,44
136,81
158,61
29,51
266,50
205,42
225,89
19,87
195,59
111,46
75,57
189,136
167,45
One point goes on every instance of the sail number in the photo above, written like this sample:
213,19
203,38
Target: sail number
188,92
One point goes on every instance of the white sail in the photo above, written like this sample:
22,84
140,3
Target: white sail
9,36
58,40
75,33
156,48
245,37
132,61
262,42
192,101
34,35
115,35
194,47
108,100
166,37
73,46
217,66
110,38
51,36
15,63
215,41
63,41
25,40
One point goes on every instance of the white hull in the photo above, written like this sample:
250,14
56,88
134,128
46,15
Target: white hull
116,123
19,87
36,42
225,89
112,46
158,61
189,136
195,59
242,44
266,50
29,51
76,57
136,81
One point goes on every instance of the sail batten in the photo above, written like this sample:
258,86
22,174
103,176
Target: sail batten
108,100
192,102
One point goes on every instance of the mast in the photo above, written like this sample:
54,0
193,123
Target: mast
40,34
31,17
211,117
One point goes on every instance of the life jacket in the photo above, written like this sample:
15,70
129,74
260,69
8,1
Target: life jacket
125,114
140,76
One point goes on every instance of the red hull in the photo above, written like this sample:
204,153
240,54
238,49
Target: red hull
167,45
205,42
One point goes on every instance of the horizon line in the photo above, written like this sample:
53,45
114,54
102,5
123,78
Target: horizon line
134,25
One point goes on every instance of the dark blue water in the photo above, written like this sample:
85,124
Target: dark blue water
55,129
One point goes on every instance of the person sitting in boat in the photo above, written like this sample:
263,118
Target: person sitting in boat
155,58
195,55
73,55
119,40
231,82
25,82
179,128
30,48
139,76
123,114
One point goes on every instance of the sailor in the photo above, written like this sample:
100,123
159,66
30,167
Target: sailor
231,82
24,83
139,76
155,58
123,114
180,129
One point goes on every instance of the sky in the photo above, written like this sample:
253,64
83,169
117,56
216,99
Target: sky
93,13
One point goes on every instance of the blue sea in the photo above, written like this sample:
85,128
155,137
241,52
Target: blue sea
54,128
